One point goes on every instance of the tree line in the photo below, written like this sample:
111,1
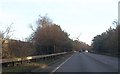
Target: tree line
108,42
80,46
47,38
50,38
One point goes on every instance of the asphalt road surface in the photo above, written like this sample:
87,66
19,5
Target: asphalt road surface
88,62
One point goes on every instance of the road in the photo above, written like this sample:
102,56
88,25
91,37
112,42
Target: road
88,62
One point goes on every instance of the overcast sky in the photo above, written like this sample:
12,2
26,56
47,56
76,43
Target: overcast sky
91,17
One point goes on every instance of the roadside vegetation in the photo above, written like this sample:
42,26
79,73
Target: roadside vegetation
108,42
47,38
25,67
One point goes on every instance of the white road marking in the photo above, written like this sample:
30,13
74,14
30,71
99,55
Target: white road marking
60,65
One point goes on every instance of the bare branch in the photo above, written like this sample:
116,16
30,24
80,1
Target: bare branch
31,27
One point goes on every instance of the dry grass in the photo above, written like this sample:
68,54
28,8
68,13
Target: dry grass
26,67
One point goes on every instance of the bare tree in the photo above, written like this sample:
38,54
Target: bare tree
4,37
49,37
6,34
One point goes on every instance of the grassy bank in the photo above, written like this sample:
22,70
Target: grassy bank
27,67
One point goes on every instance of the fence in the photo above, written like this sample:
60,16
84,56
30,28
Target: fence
15,61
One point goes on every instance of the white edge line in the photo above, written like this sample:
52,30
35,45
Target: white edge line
61,64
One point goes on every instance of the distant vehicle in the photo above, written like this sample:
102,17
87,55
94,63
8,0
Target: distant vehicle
86,50
80,51
75,51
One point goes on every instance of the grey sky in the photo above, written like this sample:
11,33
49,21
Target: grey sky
91,17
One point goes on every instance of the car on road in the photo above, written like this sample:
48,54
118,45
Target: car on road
86,50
